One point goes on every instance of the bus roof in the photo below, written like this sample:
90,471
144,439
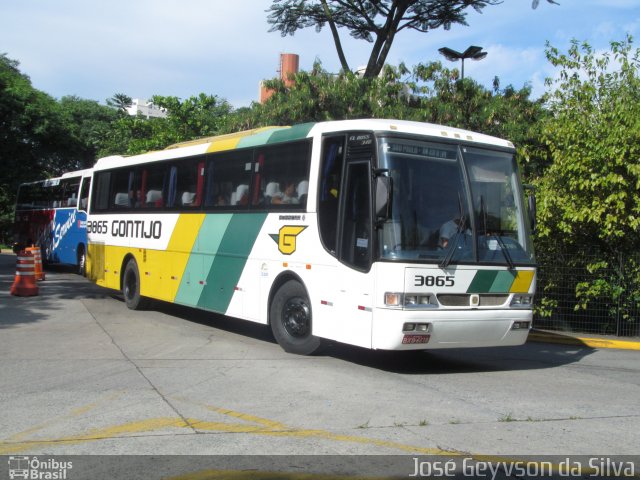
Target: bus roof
278,134
78,173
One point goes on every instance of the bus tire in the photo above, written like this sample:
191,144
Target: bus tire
82,261
131,287
290,318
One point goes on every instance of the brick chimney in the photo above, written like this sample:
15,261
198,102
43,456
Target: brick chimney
289,64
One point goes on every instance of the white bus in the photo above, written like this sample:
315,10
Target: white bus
384,234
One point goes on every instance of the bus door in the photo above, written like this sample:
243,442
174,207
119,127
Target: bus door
352,318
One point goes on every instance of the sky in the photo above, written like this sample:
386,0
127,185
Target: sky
95,49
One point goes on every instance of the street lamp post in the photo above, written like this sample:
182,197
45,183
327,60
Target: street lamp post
473,52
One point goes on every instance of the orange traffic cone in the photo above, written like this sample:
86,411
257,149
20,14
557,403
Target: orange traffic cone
25,283
37,258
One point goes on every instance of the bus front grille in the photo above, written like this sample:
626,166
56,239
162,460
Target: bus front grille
464,300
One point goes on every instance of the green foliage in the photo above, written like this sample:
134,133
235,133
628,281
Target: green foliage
428,93
41,137
86,125
29,123
318,96
594,137
120,102
507,113
195,117
589,194
30,134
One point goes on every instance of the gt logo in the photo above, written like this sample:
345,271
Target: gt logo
286,238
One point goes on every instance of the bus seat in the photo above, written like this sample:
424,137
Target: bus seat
303,190
241,195
188,198
122,200
271,190
153,197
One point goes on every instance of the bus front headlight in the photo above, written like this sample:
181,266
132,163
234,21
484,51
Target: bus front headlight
522,301
393,299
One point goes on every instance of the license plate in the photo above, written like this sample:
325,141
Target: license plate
413,339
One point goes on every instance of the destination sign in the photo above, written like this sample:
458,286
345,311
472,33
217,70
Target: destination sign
421,150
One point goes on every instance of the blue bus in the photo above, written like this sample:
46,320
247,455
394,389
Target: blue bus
51,214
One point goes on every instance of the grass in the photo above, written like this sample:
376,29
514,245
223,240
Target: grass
365,424
508,418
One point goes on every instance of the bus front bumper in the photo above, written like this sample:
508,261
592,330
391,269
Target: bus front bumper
449,328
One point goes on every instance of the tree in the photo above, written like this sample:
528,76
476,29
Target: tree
87,125
428,93
120,101
318,95
41,137
29,136
508,113
197,116
589,203
375,21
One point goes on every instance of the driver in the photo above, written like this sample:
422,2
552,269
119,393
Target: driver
447,231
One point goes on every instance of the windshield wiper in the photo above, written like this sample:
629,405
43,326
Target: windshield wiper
503,249
452,250
501,244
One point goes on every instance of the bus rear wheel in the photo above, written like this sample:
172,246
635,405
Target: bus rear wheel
82,261
290,318
131,287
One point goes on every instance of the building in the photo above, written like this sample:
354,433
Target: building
146,108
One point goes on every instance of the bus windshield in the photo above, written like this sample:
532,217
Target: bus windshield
452,204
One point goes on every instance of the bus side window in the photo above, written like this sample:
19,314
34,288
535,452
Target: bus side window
284,176
330,177
155,186
183,184
228,179
84,193
134,189
120,189
100,199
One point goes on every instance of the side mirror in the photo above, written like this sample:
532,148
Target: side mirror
531,204
384,192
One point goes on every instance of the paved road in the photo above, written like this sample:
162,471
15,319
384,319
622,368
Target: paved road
81,374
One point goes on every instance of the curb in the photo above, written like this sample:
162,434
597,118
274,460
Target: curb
591,342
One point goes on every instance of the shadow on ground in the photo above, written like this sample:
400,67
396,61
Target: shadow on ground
530,356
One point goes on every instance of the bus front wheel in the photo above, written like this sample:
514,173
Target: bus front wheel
131,287
290,317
